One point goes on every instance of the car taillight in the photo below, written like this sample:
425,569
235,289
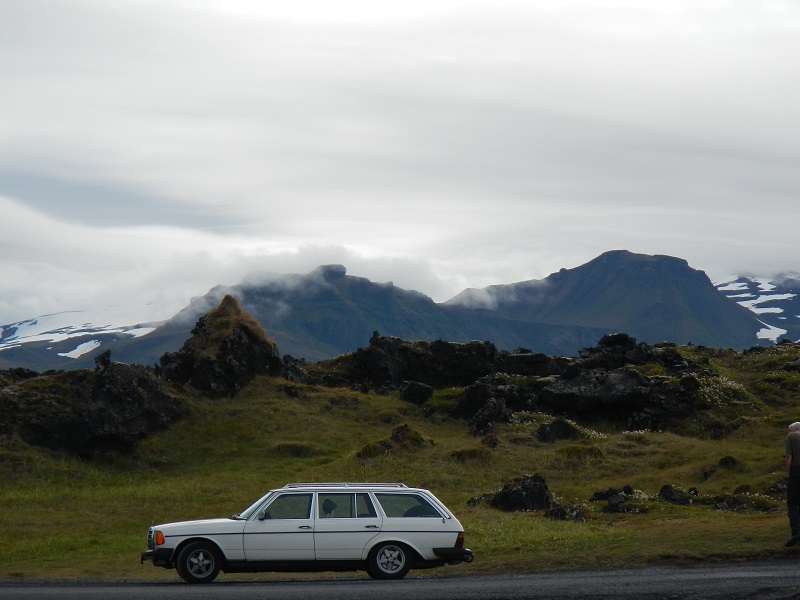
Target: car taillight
459,540
160,538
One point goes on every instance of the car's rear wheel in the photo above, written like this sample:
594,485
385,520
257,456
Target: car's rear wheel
198,562
389,560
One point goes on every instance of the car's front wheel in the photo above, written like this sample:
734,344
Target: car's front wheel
198,562
389,560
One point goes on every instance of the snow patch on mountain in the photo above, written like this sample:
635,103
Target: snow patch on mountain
81,349
58,327
770,332
775,300
759,310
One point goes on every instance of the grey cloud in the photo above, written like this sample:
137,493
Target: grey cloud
446,146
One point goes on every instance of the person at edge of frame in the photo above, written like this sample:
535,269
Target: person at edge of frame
791,462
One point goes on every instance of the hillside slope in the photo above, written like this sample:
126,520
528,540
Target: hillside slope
704,494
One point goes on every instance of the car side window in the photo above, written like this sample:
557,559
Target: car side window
290,506
364,507
406,505
336,506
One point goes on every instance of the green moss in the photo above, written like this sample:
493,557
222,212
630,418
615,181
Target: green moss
581,453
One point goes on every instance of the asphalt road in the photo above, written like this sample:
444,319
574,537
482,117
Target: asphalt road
756,581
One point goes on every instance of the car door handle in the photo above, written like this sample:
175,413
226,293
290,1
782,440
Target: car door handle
370,527
305,526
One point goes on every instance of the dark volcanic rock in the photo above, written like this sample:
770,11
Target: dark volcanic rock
674,496
530,492
494,411
388,361
12,376
416,392
591,390
94,414
619,500
610,493
102,360
557,429
296,369
475,397
401,438
527,492
606,382
617,350
561,512
405,436
537,364
517,393
621,394
728,462
228,348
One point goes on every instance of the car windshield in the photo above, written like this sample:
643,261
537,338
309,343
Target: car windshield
253,507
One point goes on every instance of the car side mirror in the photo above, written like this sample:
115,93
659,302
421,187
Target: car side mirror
261,515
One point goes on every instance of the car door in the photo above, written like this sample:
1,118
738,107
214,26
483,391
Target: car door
414,518
283,530
345,523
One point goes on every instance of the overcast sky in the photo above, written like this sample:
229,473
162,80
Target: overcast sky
151,149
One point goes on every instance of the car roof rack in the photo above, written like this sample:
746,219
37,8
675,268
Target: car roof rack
345,484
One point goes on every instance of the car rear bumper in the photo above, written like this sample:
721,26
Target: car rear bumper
454,555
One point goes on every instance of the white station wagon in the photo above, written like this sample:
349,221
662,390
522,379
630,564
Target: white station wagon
382,528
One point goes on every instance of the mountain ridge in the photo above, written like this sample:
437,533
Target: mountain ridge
326,312
685,306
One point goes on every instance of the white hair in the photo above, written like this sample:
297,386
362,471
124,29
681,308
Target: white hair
794,426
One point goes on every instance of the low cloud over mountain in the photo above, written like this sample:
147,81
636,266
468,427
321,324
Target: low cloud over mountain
326,312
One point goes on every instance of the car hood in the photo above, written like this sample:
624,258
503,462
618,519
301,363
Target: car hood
202,526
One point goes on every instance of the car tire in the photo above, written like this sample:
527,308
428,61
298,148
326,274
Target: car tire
198,562
389,560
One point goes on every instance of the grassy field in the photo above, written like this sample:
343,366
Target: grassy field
63,517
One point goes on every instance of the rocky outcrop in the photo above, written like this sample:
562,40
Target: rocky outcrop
529,493
616,350
12,376
524,493
628,500
558,429
494,411
623,395
621,500
606,382
610,381
227,349
675,496
402,438
388,361
516,393
94,414
109,410
532,364
416,392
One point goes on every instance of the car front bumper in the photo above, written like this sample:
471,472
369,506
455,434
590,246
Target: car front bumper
161,557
